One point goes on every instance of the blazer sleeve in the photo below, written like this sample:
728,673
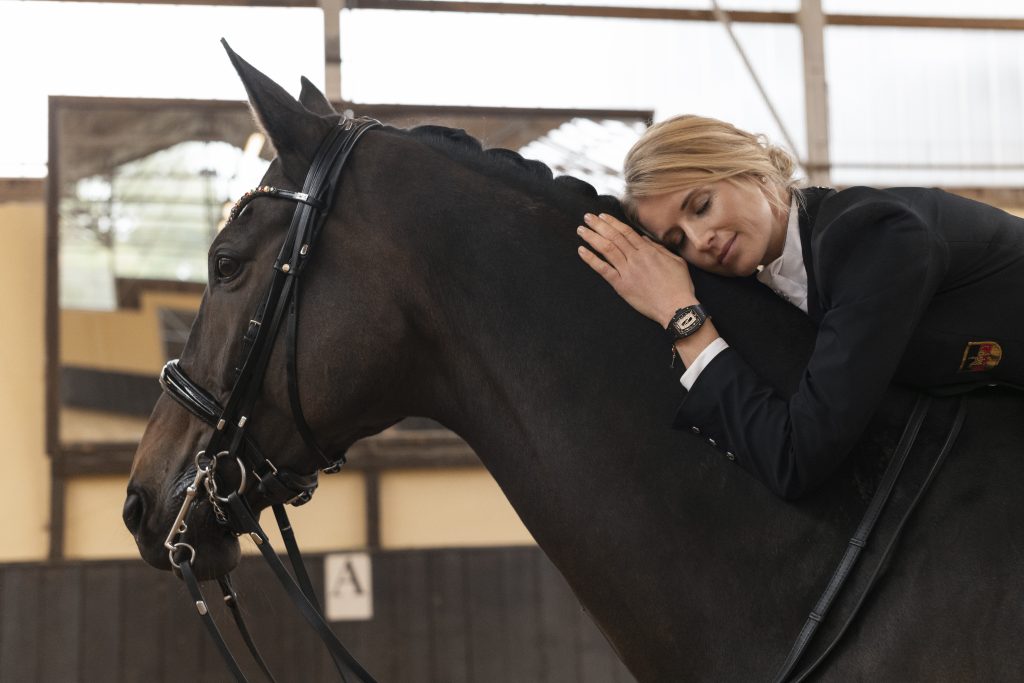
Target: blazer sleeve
877,265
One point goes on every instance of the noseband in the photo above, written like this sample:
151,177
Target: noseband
231,441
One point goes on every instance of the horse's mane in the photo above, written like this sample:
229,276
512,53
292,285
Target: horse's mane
532,176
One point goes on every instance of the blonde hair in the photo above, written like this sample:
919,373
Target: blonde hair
689,150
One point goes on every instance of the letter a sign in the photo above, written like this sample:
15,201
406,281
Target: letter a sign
348,587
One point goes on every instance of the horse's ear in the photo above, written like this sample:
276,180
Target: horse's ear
312,99
295,131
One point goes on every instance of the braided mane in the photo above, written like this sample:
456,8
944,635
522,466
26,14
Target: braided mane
530,175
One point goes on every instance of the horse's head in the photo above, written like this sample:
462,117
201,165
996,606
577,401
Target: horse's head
348,314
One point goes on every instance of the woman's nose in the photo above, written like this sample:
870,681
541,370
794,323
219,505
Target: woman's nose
701,239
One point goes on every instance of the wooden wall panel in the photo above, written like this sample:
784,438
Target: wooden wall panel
20,605
450,632
141,622
60,621
444,615
101,641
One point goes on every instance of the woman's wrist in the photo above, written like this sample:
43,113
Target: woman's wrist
690,347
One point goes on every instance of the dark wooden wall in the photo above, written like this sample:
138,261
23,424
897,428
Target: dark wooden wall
448,615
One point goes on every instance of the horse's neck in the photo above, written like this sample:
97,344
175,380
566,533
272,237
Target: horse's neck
537,342
567,396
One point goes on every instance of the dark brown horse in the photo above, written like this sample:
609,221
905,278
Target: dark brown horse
446,285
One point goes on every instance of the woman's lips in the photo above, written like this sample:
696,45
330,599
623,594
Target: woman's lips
726,250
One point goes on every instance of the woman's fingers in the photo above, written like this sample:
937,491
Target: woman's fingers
611,238
661,247
636,267
612,251
602,267
615,230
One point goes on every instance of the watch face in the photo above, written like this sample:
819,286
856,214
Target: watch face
686,322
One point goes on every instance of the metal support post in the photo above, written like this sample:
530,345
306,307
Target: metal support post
723,19
812,27
332,48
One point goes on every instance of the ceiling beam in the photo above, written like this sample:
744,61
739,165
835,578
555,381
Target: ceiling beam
611,12
22,189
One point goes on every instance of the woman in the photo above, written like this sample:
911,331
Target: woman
909,284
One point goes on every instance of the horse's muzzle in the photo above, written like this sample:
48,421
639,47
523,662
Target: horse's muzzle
134,511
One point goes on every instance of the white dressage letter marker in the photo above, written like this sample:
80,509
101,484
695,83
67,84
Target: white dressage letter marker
348,585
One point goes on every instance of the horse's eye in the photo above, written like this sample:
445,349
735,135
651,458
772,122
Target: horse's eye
227,267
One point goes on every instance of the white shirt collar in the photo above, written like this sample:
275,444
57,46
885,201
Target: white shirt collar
786,275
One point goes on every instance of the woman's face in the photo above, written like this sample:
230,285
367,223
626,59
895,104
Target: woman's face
725,227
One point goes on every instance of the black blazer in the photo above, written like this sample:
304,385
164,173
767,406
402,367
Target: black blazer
910,285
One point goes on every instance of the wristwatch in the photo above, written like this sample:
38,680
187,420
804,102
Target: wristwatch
685,322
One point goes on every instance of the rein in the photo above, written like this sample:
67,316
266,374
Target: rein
230,440
883,497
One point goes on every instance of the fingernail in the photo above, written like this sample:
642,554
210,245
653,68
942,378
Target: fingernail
588,217
580,229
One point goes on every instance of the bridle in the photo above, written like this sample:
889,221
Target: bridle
231,440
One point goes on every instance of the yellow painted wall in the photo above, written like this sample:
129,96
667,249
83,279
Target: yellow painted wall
24,506
335,519
92,518
78,425
125,340
419,509
461,507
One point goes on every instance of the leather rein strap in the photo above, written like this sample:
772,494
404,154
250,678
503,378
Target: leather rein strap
859,540
230,440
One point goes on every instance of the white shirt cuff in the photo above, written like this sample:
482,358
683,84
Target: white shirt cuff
701,362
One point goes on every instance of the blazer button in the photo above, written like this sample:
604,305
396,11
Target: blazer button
695,429
712,441
730,455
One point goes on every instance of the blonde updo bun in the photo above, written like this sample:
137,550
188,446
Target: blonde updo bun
782,160
690,150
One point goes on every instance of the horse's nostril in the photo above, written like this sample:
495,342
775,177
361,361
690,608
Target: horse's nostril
134,512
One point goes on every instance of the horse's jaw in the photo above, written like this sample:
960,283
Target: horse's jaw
211,548
162,473
215,556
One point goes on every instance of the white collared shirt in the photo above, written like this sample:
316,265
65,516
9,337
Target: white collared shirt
786,276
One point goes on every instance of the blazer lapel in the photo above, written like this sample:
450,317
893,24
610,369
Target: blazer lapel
812,198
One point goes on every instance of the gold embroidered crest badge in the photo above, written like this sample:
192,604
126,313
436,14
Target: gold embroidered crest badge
981,356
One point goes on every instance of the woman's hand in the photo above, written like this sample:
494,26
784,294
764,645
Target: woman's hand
648,276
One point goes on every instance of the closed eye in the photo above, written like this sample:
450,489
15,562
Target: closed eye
703,206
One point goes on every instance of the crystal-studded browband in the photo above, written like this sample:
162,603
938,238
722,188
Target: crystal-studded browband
271,191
